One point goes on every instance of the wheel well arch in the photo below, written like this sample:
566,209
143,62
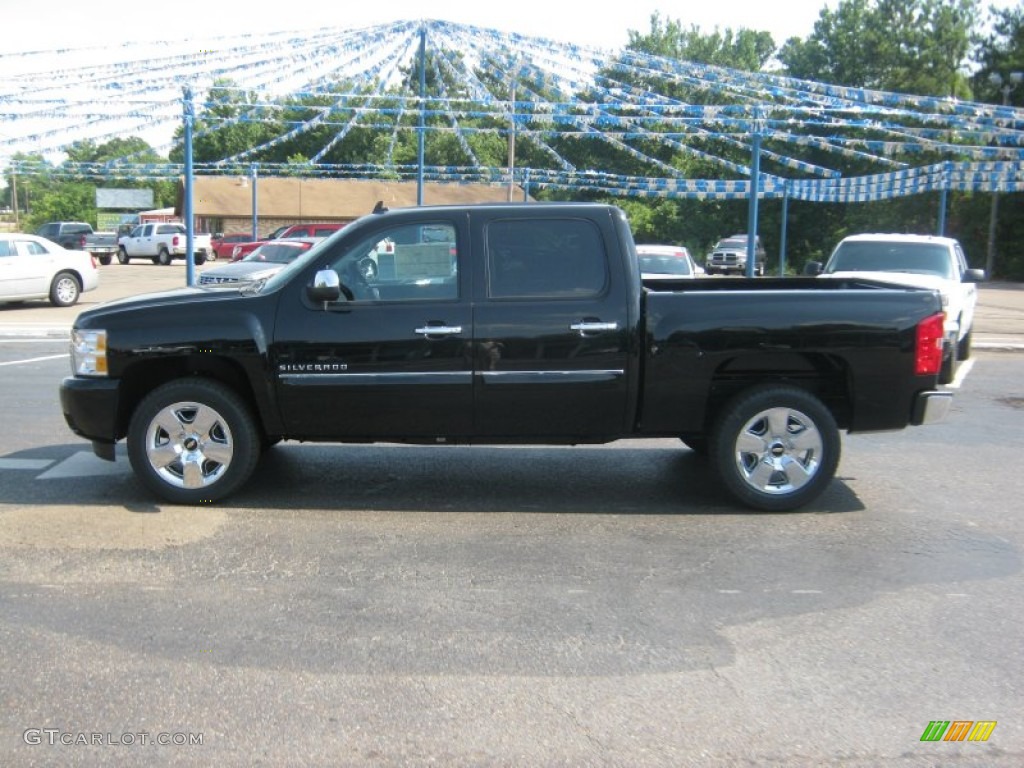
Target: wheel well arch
827,377
139,380
69,271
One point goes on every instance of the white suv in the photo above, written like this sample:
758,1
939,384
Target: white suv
919,260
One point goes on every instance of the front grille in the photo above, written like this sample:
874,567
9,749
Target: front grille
212,279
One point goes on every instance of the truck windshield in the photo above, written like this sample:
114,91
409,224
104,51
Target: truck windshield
919,258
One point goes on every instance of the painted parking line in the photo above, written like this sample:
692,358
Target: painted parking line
33,360
84,464
35,464
961,373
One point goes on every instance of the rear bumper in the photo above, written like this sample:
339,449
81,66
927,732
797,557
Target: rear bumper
931,407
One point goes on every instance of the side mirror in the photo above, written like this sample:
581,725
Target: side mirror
813,268
326,286
974,276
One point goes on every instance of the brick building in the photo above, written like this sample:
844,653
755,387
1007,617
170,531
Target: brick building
224,204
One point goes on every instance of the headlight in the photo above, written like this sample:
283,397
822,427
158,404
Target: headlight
88,353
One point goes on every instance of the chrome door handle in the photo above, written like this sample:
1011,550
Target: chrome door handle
593,327
439,330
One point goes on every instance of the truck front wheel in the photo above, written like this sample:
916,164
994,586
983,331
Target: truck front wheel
122,255
775,447
193,441
963,348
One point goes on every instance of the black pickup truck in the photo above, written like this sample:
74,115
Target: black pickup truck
79,236
514,323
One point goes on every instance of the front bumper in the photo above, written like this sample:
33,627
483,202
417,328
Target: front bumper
931,407
90,410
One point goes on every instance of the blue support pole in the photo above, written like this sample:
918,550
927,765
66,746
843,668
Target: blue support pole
755,185
255,201
189,118
782,236
423,112
942,211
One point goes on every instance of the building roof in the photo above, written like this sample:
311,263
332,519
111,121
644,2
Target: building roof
294,198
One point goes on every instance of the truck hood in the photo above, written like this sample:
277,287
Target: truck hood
179,298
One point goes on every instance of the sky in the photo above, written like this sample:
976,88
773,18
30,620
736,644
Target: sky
49,24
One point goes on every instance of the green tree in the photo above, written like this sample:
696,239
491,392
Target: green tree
908,46
228,122
68,201
744,49
999,54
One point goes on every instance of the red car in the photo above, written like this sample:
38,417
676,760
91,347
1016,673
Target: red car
223,245
319,229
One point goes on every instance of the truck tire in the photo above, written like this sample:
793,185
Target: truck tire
164,257
775,447
200,259
949,363
122,255
193,441
64,290
105,260
963,348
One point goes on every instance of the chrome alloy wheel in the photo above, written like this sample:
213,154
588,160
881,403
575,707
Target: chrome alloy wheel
778,451
189,445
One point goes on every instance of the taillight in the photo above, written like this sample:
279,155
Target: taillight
928,352
174,241
81,242
95,264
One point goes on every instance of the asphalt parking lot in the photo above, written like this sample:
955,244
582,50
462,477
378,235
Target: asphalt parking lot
370,605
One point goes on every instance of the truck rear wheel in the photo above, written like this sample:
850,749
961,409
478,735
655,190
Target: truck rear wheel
775,447
193,441
164,257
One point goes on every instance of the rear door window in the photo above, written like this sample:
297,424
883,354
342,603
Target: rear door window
545,258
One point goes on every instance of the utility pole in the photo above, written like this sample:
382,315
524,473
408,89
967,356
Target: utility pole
512,135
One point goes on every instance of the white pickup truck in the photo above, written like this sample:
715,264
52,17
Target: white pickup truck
924,261
161,243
